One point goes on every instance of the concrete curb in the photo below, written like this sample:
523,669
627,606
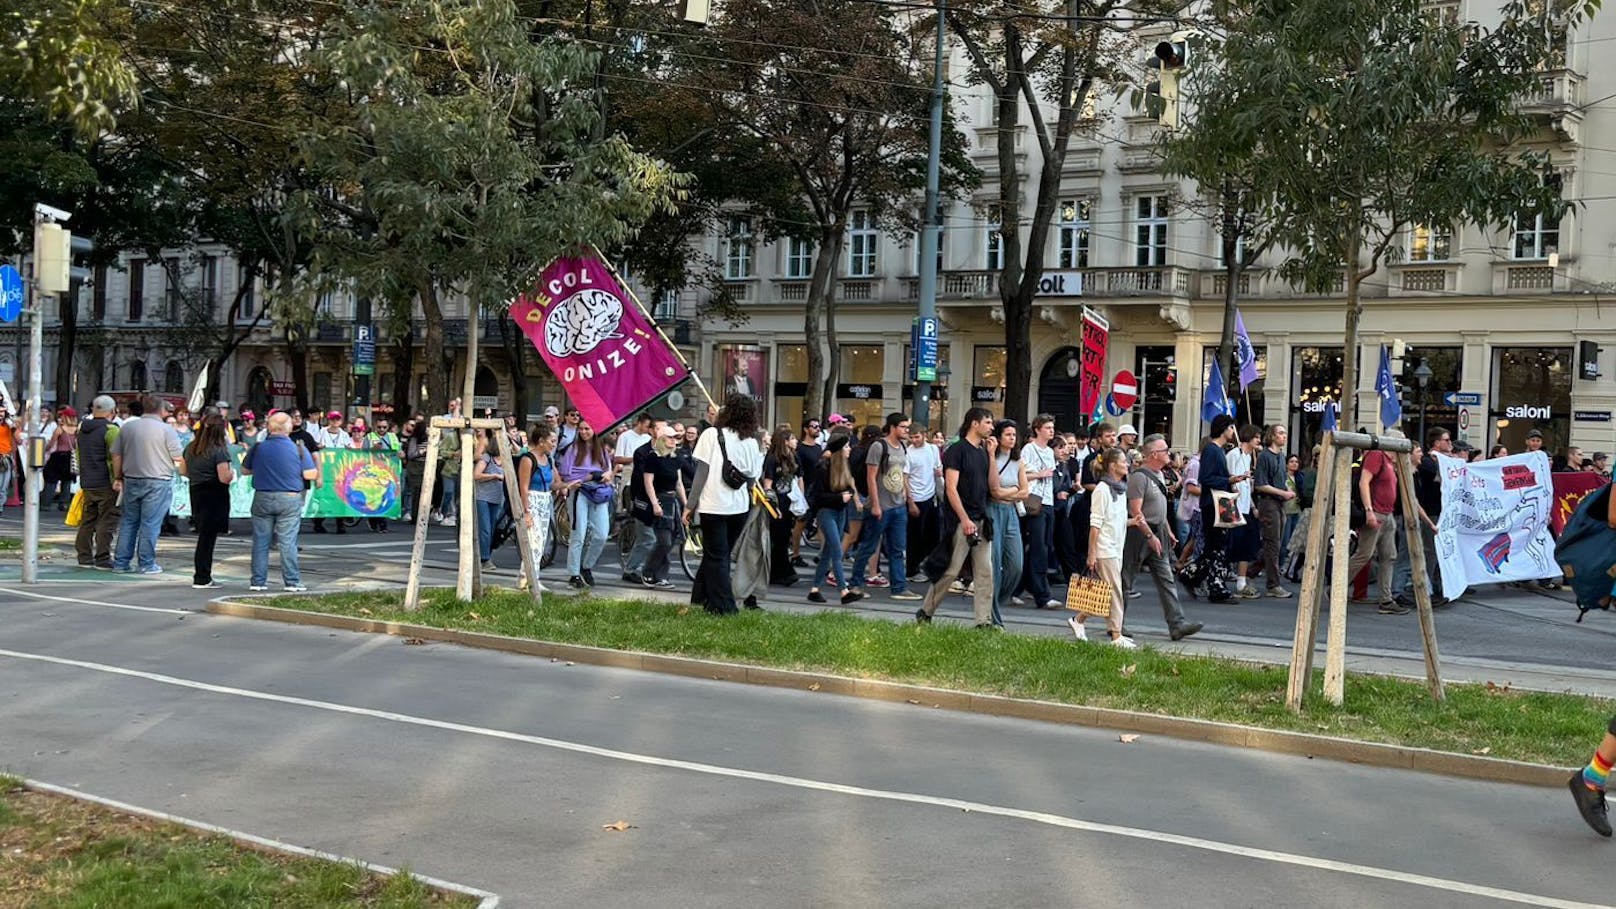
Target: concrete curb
1372,754
486,900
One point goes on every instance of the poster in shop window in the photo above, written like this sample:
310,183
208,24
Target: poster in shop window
1495,521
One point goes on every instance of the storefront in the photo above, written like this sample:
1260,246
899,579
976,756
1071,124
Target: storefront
790,384
1316,374
1446,365
987,379
859,392
1531,389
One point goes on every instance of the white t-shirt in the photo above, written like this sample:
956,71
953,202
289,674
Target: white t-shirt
628,442
922,468
335,438
1038,458
716,496
1239,463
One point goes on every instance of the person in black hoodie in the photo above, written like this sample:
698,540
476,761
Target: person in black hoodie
1214,477
101,513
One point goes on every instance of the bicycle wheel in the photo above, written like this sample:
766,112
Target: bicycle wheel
553,544
626,535
689,542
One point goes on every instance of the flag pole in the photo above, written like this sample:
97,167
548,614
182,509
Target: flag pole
689,371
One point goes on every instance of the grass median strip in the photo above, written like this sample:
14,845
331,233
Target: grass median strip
1475,719
60,853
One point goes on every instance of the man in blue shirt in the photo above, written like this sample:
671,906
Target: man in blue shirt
279,467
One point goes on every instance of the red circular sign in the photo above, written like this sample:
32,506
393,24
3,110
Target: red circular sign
1125,389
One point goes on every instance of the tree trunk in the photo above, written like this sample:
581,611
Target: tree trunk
437,373
67,339
814,402
297,354
233,338
404,390
833,349
1349,350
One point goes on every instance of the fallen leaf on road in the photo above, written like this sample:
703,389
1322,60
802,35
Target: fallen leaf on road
1128,670
620,826
413,642
1498,690
1128,738
913,701
1482,751
814,687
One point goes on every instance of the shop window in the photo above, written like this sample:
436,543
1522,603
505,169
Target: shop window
1531,389
1447,374
791,383
1316,374
859,393
987,379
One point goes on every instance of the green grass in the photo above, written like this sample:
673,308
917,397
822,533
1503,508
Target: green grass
10,544
60,853
1530,726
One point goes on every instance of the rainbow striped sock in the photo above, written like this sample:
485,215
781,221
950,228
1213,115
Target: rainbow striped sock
1595,775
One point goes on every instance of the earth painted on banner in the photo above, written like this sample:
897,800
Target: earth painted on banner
368,488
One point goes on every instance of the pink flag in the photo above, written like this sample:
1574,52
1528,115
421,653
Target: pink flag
606,352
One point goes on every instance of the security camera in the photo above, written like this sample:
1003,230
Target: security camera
51,213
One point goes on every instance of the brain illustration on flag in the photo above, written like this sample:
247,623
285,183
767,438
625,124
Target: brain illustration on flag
1495,553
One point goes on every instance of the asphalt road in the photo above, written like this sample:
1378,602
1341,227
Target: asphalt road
500,771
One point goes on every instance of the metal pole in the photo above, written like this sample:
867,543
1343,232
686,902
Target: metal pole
929,232
30,470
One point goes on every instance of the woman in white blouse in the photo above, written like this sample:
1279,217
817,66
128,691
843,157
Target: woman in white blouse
1108,525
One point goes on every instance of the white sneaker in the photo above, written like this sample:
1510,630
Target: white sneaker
258,588
447,522
1017,601
1135,594
1077,628
437,517
1053,604
1124,643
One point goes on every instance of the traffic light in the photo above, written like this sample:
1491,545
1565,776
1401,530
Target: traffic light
1162,93
53,265
1170,384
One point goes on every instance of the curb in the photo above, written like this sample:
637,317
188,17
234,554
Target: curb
1372,754
486,900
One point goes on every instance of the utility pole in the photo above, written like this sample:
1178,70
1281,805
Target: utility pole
51,276
929,232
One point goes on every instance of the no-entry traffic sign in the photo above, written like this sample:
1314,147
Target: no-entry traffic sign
1125,389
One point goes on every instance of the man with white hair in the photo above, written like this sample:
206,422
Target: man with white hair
96,436
279,468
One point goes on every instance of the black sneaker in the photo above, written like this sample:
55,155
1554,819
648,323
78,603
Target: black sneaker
798,562
589,577
922,616
577,583
1183,631
751,603
633,577
1590,804
1392,607
815,596
851,596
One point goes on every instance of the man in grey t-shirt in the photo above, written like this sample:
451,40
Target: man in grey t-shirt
144,456
1150,535
888,507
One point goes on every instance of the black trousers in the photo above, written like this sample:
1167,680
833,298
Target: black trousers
210,509
713,589
780,570
924,533
1066,542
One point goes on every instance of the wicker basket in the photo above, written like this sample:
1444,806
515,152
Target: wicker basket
1089,595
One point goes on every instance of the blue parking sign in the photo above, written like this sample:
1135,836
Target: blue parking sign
10,294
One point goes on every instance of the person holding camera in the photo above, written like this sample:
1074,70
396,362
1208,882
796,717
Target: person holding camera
587,473
965,520
728,461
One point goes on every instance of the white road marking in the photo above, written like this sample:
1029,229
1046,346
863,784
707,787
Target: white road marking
130,606
1037,817
487,900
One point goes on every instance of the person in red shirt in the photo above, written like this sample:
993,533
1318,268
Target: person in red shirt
1377,491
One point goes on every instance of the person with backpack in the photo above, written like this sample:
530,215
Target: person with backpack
96,436
887,511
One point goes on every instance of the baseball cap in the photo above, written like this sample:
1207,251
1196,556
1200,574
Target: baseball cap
836,418
334,415
222,405
247,415
1535,434
552,411
1127,430
1462,446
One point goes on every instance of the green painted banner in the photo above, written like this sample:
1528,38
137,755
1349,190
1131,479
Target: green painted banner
354,483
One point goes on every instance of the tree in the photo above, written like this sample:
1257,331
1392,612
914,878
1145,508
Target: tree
1041,60
835,95
1364,118
68,58
462,158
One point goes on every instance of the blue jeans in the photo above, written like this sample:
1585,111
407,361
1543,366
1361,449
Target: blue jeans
591,523
145,504
1006,553
5,480
892,528
487,516
449,503
278,514
832,524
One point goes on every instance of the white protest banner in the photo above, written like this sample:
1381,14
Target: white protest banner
1495,521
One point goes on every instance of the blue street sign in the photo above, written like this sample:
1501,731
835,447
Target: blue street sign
923,342
1462,399
364,350
1111,406
10,294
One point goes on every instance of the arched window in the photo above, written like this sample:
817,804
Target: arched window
174,377
137,375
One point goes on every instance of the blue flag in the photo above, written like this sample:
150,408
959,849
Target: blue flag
1327,423
1391,407
1217,398
1245,354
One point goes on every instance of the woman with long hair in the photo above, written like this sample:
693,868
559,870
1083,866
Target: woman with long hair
1108,524
780,474
1007,486
830,491
488,494
536,477
657,494
587,472
210,471
59,448
723,507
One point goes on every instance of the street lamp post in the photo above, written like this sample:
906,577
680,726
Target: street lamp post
1422,375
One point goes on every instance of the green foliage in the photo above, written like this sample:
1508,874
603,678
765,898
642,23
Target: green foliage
64,54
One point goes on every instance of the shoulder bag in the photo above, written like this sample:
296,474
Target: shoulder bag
733,478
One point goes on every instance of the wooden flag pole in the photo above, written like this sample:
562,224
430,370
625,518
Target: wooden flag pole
469,581
1340,581
423,517
690,372
1308,600
1416,564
